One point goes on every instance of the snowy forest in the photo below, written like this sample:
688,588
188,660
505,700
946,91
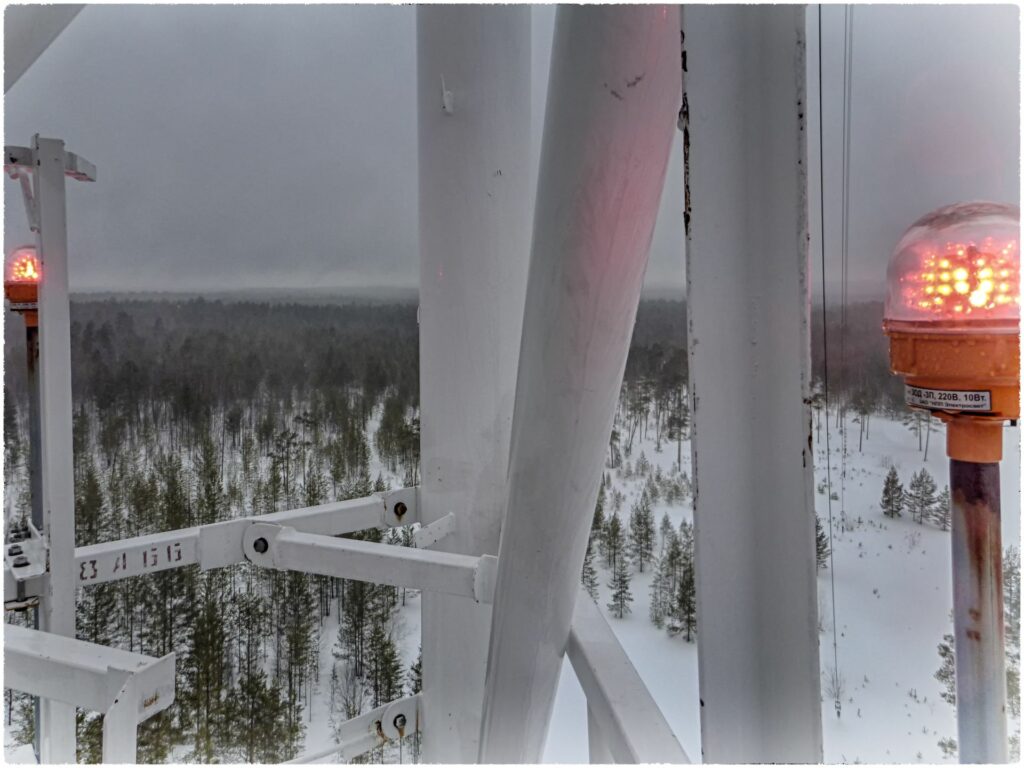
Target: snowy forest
188,412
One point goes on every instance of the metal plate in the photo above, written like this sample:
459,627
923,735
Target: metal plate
949,399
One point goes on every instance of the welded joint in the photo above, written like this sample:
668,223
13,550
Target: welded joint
428,535
485,576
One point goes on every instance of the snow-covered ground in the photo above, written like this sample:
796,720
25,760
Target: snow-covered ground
893,603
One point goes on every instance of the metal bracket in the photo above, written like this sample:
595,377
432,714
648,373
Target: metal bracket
24,551
361,734
429,535
20,163
17,160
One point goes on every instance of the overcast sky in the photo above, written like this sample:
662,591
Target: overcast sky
255,147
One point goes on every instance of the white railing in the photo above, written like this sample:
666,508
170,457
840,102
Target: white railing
128,688
625,724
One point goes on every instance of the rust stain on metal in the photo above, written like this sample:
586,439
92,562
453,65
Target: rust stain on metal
975,490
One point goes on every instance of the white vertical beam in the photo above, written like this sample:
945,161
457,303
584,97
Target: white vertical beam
749,346
120,727
613,98
474,205
57,720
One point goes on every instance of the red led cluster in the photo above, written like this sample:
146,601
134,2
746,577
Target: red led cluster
964,279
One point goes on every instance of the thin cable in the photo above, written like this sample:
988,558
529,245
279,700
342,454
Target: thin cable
824,341
845,272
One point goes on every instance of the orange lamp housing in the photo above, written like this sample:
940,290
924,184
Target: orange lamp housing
21,283
952,315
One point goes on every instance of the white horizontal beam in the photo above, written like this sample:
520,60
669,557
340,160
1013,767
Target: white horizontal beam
361,734
84,674
631,726
274,546
220,544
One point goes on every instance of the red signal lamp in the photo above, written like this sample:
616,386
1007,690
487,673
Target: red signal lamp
952,315
21,283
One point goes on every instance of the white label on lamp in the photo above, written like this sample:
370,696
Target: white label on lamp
949,399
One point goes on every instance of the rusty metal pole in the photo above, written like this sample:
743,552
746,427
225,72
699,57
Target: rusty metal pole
978,612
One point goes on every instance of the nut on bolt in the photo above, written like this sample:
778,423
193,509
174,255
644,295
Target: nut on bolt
400,509
260,545
399,721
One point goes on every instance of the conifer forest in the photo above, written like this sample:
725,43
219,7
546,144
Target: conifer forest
190,411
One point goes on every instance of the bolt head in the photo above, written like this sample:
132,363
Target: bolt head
400,510
260,545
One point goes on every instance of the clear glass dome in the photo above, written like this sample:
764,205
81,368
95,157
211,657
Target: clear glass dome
957,269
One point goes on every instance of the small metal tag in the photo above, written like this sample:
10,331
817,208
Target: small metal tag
949,399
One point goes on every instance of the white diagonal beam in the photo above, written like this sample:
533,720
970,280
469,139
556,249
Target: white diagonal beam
28,31
613,100
628,723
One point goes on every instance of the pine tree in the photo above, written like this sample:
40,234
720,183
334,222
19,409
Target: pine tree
947,671
666,530
892,495
942,513
666,579
641,532
684,615
205,667
597,527
822,544
684,609
920,498
257,713
96,607
614,542
384,668
621,594
12,440
315,489
589,575
416,674
1011,597
355,622
300,641
210,495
